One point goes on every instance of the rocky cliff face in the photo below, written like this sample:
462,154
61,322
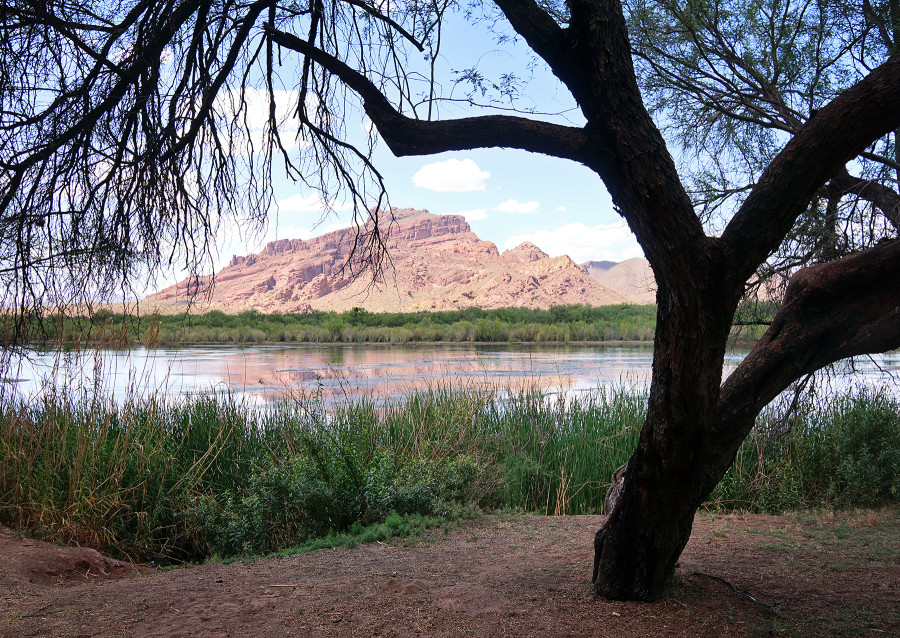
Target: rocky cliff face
435,263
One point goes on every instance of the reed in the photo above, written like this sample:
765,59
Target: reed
155,479
557,452
80,470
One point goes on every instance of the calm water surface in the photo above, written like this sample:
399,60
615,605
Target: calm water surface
344,372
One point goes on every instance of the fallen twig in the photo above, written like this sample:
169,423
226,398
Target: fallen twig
39,612
773,607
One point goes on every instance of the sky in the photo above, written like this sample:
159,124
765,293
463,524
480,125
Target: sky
507,196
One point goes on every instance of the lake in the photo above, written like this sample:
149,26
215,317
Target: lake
340,373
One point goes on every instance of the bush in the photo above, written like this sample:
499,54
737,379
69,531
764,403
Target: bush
181,481
329,489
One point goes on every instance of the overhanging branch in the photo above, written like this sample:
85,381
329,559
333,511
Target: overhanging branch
836,134
831,311
387,20
543,35
884,198
408,136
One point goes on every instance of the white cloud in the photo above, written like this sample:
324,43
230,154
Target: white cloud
258,138
253,105
561,208
472,215
612,242
513,206
252,109
451,176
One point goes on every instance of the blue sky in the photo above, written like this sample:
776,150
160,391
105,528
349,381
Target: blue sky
507,196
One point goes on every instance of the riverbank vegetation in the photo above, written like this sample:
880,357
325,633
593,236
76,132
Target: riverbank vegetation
557,324
171,482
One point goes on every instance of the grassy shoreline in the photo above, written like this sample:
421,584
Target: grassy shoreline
153,480
559,324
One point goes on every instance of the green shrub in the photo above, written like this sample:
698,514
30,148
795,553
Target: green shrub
329,489
558,324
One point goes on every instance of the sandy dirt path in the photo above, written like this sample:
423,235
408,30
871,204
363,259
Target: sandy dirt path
740,575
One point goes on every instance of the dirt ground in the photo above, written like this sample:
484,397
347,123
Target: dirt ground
740,575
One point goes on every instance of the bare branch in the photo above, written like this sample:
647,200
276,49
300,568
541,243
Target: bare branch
387,20
408,136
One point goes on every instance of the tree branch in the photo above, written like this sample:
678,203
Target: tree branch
885,199
835,135
831,311
127,78
188,138
643,179
543,35
387,20
407,136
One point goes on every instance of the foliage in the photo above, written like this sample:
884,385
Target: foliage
178,482
732,80
840,452
556,324
81,471
340,479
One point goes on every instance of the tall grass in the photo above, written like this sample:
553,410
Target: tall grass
557,453
163,481
839,451
83,471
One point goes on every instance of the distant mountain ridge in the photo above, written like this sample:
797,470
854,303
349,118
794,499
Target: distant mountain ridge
594,268
436,263
631,278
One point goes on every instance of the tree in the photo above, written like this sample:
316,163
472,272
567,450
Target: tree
734,80
125,129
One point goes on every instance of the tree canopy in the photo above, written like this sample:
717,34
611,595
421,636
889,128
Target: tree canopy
737,138
732,81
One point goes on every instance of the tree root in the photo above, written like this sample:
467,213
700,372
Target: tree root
598,550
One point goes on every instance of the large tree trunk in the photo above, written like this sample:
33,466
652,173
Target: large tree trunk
678,460
637,548
695,423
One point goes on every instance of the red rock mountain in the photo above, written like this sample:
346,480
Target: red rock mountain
436,263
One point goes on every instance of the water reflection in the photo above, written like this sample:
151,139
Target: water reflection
340,373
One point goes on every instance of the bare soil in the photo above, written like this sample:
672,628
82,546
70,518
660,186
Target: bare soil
740,575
